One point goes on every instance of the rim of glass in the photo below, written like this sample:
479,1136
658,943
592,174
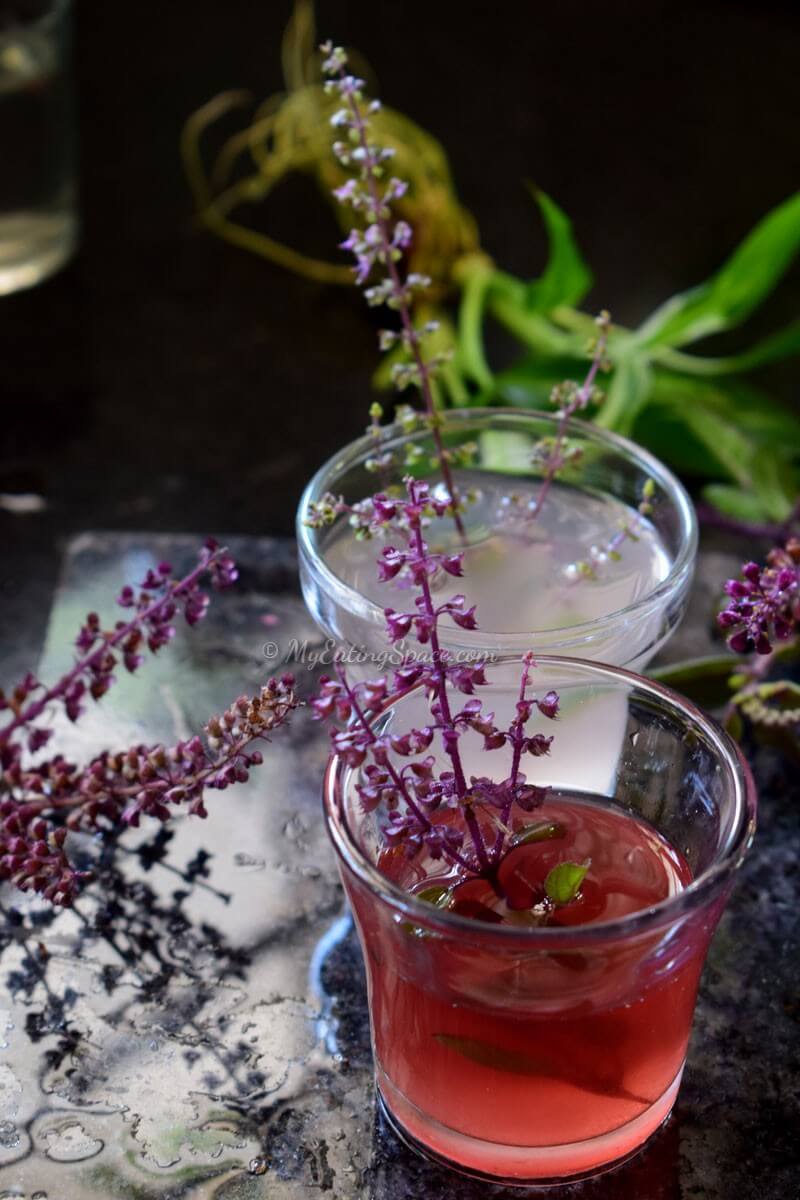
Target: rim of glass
333,584
727,859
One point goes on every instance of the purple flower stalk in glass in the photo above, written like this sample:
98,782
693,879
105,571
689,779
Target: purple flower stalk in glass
379,246
569,398
464,820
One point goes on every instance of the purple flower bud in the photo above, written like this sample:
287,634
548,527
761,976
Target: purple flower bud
453,564
423,627
402,235
384,508
38,738
406,677
548,705
344,195
465,620
390,564
528,796
737,589
401,743
538,745
397,624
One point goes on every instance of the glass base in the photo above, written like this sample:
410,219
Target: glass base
34,246
521,1166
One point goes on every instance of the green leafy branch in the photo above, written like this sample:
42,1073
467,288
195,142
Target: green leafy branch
694,410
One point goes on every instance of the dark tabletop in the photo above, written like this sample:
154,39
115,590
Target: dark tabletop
166,382
196,1029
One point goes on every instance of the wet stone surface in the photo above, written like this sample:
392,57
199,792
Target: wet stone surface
196,1028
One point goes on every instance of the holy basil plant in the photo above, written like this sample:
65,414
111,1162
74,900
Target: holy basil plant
700,413
693,409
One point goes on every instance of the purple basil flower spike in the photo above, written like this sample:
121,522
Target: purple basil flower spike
765,602
40,803
412,790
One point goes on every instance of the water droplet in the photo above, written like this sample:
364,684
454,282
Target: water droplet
258,1166
248,862
70,1142
9,1135
295,827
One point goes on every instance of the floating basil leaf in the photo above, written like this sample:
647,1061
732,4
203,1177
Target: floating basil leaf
564,882
543,831
437,895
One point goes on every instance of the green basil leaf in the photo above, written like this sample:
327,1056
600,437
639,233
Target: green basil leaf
766,421
723,441
437,895
704,680
735,502
564,882
676,428
783,344
529,382
542,831
509,308
776,484
662,430
471,312
566,279
738,287
695,403
627,394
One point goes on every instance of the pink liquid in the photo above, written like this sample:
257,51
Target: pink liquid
536,1064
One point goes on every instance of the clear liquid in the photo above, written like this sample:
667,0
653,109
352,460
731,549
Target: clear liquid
37,189
520,571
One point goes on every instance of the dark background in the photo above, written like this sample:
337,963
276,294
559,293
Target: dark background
166,380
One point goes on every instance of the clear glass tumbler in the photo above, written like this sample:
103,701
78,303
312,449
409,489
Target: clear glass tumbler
543,1054
622,617
38,223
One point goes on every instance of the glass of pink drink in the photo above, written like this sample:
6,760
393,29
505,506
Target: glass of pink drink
524,1045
